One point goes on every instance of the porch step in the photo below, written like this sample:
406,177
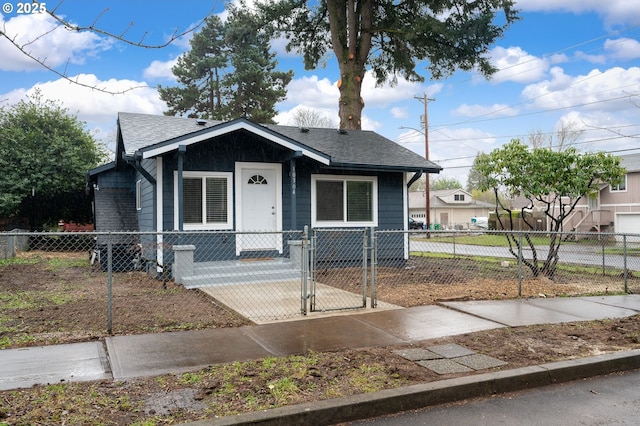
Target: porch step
241,272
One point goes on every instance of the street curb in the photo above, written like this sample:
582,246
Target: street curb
413,397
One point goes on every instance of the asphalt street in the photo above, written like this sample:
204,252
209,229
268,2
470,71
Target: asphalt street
574,254
603,400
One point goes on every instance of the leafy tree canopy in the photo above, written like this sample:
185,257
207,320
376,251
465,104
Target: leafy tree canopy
445,183
474,178
389,38
228,73
554,181
44,152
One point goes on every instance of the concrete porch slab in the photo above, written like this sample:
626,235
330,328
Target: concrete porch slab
269,302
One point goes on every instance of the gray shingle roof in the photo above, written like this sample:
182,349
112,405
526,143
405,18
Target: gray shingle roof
142,130
631,162
355,148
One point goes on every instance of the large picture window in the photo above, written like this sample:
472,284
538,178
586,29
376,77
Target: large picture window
206,200
344,200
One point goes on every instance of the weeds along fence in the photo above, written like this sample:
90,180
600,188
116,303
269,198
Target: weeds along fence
266,277
504,264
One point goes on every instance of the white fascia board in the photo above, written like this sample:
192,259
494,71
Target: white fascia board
214,132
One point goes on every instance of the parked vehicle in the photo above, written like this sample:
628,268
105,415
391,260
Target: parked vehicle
415,224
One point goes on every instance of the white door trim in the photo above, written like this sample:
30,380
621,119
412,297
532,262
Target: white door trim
277,168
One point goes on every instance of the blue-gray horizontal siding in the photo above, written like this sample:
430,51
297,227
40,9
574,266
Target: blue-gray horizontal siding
115,201
146,215
222,154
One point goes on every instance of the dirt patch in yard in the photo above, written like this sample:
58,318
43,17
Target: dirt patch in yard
51,298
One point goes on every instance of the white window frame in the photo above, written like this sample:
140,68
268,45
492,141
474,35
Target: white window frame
228,224
343,223
458,197
139,194
617,187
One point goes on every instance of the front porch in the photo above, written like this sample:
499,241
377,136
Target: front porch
270,289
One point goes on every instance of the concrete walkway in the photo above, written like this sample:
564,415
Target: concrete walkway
125,357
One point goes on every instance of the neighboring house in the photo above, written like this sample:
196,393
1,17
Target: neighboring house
175,173
449,208
615,208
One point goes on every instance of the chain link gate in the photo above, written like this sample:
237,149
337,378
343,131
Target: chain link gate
338,273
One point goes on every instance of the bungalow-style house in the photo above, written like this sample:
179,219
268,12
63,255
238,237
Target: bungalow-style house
449,208
615,208
175,174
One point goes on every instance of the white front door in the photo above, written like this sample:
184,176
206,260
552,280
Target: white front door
259,206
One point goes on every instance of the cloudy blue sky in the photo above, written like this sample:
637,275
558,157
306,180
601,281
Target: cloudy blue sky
575,62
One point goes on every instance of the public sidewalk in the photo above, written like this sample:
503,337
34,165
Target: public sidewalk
124,357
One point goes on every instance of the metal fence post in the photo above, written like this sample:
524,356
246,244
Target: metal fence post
624,260
365,255
109,285
312,268
602,238
454,244
305,270
374,262
520,264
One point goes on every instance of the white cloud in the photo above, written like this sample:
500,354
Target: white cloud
160,70
94,106
612,11
594,59
623,48
516,65
495,110
453,149
387,94
604,91
47,40
312,91
604,131
400,113
558,58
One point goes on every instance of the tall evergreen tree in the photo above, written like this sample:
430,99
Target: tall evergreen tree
199,74
255,86
389,38
228,73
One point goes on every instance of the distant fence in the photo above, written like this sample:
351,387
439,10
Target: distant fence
337,269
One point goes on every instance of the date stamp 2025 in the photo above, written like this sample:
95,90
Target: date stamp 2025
24,8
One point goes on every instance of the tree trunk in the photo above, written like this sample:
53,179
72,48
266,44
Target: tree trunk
351,25
350,103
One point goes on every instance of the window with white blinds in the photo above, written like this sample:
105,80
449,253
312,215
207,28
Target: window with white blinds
206,200
344,200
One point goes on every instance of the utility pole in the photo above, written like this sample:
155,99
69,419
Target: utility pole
425,121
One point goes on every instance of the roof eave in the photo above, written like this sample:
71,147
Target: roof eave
229,127
386,168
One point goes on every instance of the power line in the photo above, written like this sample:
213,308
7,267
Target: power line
474,156
545,94
539,112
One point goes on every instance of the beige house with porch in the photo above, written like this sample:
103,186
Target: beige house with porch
615,208
449,208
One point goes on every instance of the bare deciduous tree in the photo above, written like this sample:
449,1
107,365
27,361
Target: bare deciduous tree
25,46
565,137
306,117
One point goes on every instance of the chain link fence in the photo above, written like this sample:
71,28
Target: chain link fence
459,265
338,269
133,282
